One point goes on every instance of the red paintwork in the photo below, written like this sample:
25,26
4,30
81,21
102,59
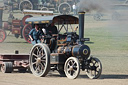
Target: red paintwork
24,18
2,35
16,30
5,25
27,28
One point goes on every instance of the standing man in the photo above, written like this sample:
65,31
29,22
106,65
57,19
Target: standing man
35,35
74,9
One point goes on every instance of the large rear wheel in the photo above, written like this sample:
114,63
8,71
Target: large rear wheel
27,28
40,60
64,8
25,5
24,18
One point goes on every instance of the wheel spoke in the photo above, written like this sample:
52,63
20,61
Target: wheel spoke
34,63
35,55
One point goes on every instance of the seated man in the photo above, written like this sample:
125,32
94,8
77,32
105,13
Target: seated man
35,35
52,29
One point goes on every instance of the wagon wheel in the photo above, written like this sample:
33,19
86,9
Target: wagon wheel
40,60
44,9
97,17
7,67
27,28
2,35
64,8
24,18
126,2
25,5
94,69
72,68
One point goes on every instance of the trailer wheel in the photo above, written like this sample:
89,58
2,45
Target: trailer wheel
27,28
2,35
64,8
25,5
40,60
72,68
94,69
7,67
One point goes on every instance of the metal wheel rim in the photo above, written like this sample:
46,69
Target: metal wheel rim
3,68
7,67
65,8
2,35
96,69
27,28
44,9
72,68
25,4
97,17
39,60
24,18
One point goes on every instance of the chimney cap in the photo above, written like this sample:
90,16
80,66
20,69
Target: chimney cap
81,12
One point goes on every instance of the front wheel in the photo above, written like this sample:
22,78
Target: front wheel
72,68
40,60
94,68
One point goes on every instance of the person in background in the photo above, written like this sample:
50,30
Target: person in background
74,9
35,35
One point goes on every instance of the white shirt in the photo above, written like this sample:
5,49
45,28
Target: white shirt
74,6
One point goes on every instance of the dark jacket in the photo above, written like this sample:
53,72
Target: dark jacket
35,34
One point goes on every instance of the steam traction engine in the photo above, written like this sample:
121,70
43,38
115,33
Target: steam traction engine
61,6
65,52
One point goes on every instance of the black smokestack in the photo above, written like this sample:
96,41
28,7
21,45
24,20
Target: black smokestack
81,26
1,14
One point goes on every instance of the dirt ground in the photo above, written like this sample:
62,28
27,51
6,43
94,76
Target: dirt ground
55,79
113,56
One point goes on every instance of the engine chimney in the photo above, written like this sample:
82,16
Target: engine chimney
81,27
1,14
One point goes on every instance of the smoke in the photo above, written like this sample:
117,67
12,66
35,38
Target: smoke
93,5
